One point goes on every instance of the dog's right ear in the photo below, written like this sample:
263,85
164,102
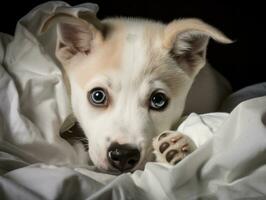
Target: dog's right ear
77,37
187,40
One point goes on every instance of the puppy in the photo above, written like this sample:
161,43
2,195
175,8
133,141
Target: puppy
130,80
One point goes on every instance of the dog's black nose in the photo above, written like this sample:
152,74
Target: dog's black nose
123,157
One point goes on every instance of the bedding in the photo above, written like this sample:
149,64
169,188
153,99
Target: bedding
36,163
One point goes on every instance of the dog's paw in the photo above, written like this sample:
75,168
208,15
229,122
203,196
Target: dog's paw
171,147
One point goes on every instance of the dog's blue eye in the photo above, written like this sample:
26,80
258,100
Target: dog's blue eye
158,101
98,97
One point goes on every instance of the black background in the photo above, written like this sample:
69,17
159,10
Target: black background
242,63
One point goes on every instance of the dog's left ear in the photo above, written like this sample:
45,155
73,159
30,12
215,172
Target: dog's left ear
187,41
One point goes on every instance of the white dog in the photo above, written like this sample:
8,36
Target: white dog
129,80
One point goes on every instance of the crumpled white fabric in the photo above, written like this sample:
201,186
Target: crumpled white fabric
201,128
35,163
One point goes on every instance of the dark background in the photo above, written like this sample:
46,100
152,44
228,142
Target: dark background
242,63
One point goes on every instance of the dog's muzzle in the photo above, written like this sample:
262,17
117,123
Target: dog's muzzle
123,157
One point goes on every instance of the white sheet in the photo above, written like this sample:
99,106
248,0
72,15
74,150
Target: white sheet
35,163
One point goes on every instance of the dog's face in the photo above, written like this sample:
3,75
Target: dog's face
129,79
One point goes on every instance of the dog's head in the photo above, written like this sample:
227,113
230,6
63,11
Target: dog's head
129,79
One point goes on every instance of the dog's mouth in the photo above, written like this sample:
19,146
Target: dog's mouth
114,171
109,171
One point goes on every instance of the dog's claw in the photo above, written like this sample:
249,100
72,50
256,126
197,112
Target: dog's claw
176,139
185,148
171,147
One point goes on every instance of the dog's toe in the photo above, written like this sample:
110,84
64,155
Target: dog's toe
163,146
